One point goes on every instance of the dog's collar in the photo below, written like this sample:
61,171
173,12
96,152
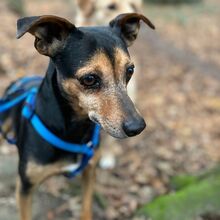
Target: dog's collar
28,112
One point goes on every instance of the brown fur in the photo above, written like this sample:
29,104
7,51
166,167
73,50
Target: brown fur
121,59
38,173
88,181
7,125
24,202
86,6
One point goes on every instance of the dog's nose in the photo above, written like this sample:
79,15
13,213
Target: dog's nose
133,127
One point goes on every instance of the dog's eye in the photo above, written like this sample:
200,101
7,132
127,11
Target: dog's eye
129,73
90,81
112,6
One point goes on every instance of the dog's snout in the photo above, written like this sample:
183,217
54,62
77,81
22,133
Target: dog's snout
133,127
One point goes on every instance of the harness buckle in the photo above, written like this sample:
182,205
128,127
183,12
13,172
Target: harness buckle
27,111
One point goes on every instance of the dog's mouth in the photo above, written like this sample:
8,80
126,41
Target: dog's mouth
94,119
126,129
116,132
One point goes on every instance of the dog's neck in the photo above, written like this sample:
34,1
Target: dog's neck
57,115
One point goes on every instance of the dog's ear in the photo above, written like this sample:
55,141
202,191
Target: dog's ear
128,25
86,6
49,31
136,5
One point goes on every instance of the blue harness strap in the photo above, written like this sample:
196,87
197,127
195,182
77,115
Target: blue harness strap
7,103
87,150
20,83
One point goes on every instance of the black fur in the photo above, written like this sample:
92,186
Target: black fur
72,48
52,106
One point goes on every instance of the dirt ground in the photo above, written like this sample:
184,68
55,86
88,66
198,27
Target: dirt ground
178,94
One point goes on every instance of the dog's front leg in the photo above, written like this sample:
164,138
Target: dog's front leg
24,200
88,182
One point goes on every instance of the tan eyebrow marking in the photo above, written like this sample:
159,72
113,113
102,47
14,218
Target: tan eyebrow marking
99,62
121,60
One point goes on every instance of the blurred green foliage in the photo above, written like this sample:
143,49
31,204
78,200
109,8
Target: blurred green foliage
179,182
197,196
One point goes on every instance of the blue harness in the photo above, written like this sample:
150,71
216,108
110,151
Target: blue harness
28,112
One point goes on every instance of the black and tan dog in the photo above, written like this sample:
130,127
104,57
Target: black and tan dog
85,83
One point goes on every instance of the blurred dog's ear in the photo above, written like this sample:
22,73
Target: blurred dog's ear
136,5
86,6
128,26
49,31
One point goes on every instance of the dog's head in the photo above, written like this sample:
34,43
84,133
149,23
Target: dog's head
90,12
94,67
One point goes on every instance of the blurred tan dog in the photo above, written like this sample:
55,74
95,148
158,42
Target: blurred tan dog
100,12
